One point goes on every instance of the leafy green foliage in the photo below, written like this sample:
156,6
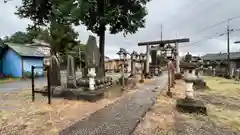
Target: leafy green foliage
162,60
43,12
18,37
119,15
28,36
64,38
61,37
125,16
28,74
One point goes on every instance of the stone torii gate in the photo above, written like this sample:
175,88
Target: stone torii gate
163,43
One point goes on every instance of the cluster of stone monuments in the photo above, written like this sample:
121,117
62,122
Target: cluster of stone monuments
220,71
91,83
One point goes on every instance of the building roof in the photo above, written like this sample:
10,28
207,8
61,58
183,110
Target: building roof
22,50
221,56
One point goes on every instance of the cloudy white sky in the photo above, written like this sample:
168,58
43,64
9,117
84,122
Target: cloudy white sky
180,18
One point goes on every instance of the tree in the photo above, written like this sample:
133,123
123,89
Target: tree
64,38
18,37
119,15
162,60
26,37
125,16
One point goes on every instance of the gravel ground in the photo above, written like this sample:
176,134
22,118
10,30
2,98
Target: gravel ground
121,117
164,119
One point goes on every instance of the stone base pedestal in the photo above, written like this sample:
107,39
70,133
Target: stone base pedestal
199,84
92,96
169,93
141,81
178,76
191,106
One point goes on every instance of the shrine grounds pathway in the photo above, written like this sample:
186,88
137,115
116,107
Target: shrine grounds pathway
121,117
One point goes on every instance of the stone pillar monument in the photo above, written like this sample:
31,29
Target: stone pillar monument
237,75
71,74
91,76
55,74
177,58
147,59
213,72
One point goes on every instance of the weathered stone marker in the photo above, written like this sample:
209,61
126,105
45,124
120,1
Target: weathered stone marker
237,75
55,74
71,74
189,104
214,72
91,75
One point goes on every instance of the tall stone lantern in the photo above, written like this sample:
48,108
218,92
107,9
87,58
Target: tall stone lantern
122,56
189,104
92,74
134,56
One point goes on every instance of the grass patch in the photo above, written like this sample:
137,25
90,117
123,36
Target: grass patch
225,117
222,86
226,92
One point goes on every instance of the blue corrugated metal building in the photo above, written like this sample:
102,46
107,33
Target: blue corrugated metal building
17,59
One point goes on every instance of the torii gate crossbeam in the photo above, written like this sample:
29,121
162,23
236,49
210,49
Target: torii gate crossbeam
175,41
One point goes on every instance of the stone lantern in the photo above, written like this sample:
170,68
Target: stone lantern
142,58
189,104
134,56
92,74
123,56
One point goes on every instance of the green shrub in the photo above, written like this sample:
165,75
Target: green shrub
28,74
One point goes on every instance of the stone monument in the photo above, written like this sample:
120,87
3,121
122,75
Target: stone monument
199,83
92,71
71,74
55,74
237,75
190,104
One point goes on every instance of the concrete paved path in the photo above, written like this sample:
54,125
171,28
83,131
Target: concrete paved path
121,117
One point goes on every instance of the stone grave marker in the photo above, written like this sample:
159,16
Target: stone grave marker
92,48
237,75
71,74
55,74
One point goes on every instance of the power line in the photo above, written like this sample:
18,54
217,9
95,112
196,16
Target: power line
192,4
210,8
217,24
212,37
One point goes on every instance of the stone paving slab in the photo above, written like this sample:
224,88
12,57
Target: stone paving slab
121,117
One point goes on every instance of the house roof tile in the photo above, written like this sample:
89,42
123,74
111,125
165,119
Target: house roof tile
22,50
221,56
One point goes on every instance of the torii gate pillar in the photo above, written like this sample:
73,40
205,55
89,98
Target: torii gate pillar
147,59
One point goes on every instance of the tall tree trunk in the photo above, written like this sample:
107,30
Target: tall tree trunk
102,48
102,28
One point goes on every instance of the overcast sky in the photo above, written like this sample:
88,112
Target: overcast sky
180,18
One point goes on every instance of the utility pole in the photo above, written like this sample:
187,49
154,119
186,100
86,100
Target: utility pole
161,32
80,59
228,48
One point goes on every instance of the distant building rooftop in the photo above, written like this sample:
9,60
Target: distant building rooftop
23,50
221,56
